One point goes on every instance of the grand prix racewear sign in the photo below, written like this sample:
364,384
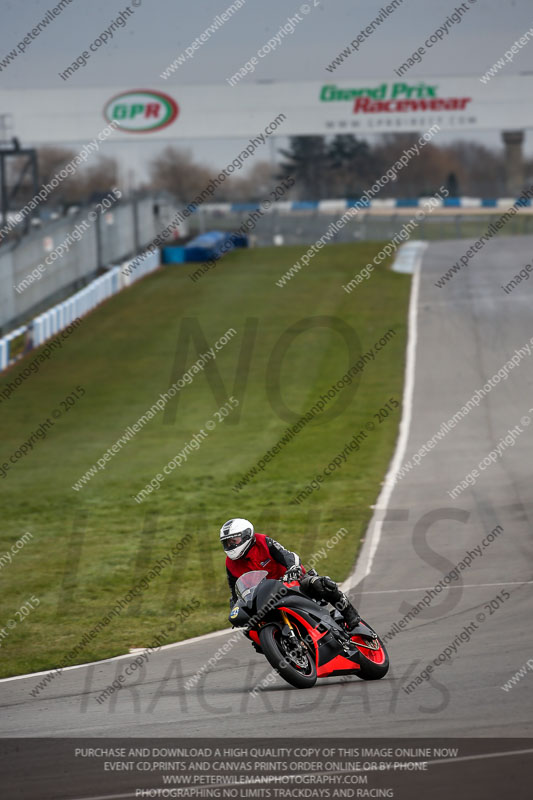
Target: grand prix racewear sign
390,98
362,107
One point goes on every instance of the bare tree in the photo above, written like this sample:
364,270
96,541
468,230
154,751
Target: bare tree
174,170
101,177
306,159
480,170
250,188
51,161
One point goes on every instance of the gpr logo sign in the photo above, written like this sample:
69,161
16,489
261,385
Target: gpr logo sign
141,111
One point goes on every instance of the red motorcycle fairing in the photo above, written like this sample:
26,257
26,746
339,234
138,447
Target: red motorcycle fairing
340,665
377,656
327,657
255,637
269,608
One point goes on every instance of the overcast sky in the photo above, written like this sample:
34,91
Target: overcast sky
159,30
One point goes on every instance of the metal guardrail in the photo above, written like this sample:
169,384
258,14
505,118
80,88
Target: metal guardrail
305,227
59,258
57,318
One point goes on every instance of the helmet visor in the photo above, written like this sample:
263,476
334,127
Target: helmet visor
233,541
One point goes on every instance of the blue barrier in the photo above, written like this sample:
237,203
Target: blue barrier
452,202
362,203
304,205
205,247
173,254
407,202
212,245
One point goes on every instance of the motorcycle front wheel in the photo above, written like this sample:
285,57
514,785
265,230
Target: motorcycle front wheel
301,672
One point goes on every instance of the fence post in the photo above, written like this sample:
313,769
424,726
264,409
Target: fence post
135,212
98,234
4,354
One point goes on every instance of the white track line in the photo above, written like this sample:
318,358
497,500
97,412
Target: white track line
109,796
118,658
461,586
373,536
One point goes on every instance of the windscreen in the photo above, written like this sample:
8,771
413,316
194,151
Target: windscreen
247,582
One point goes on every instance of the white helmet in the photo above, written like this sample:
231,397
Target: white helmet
237,536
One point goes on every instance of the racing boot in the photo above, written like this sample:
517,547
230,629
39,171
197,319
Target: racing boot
324,588
350,615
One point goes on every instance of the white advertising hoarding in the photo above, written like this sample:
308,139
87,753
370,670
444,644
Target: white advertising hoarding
211,111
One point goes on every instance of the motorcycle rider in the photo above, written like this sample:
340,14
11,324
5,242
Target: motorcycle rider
246,551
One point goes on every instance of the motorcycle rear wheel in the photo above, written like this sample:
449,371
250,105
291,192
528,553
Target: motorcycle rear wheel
305,678
374,664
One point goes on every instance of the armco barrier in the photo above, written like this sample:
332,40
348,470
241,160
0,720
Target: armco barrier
340,205
34,277
57,318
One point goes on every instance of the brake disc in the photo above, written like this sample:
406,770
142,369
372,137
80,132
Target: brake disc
300,659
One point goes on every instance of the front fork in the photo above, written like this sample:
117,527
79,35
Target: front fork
293,637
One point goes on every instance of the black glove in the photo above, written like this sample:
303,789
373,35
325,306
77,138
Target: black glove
294,573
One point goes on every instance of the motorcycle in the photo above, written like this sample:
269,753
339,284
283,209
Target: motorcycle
299,637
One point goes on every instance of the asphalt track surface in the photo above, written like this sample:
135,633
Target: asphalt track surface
466,332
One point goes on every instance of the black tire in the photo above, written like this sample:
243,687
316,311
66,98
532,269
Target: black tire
370,670
269,636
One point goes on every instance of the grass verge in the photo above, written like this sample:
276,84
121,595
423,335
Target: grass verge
90,547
